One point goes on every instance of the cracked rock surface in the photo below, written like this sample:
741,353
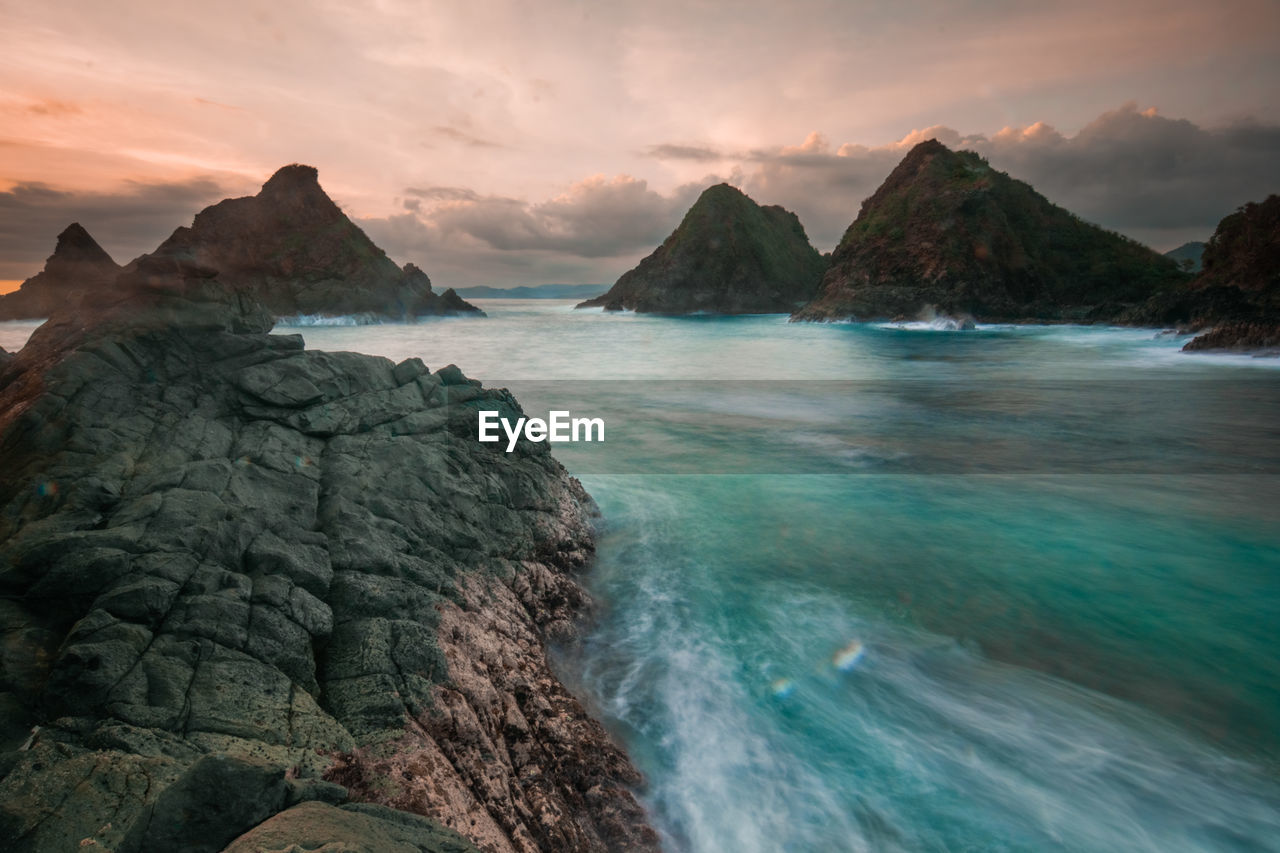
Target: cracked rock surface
256,597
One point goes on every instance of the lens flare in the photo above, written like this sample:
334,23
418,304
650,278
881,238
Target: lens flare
848,657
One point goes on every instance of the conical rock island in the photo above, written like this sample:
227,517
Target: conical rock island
946,232
77,264
728,256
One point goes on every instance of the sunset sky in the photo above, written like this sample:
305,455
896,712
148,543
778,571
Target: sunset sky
524,142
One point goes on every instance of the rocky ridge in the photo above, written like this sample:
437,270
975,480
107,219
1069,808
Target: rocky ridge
251,590
297,253
77,264
728,256
947,233
1237,295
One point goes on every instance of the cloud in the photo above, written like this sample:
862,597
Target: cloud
1141,173
1159,180
126,222
461,137
597,217
593,231
668,151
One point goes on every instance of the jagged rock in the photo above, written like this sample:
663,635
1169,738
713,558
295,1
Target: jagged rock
728,256
297,253
946,232
1238,292
237,575
77,264
1262,337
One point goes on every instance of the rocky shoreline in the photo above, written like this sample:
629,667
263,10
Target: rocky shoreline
255,594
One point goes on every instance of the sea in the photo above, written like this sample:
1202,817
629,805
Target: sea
905,587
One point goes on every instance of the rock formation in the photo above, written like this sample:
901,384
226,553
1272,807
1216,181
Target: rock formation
948,233
728,256
248,588
77,264
1238,293
295,250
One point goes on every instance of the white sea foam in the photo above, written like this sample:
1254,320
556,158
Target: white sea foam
304,320
800,724
937,324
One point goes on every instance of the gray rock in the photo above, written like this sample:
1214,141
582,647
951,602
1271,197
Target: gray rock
351,829
238,576
216,799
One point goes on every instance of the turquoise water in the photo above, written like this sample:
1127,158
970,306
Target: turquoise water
900,588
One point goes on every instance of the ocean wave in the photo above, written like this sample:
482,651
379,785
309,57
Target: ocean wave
937,324
363,319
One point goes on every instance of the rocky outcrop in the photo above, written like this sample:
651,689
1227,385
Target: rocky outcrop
1237,296
78,264
947,233
297,253
250,591
728,256
1260,337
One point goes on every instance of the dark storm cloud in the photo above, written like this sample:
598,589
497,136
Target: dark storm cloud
595,218
1160,180
593,232
1138,171
125,223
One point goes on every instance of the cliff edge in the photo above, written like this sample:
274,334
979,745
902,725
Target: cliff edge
255,596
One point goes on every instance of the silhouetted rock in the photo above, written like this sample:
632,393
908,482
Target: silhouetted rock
242,582
295,250
728,256
77,264
946,232
1238,293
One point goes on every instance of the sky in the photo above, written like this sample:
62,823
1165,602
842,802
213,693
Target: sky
511,142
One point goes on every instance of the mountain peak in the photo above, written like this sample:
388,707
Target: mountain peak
293,249
78,264
927,148
293,175
76,245
947,232
297,183
729,255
